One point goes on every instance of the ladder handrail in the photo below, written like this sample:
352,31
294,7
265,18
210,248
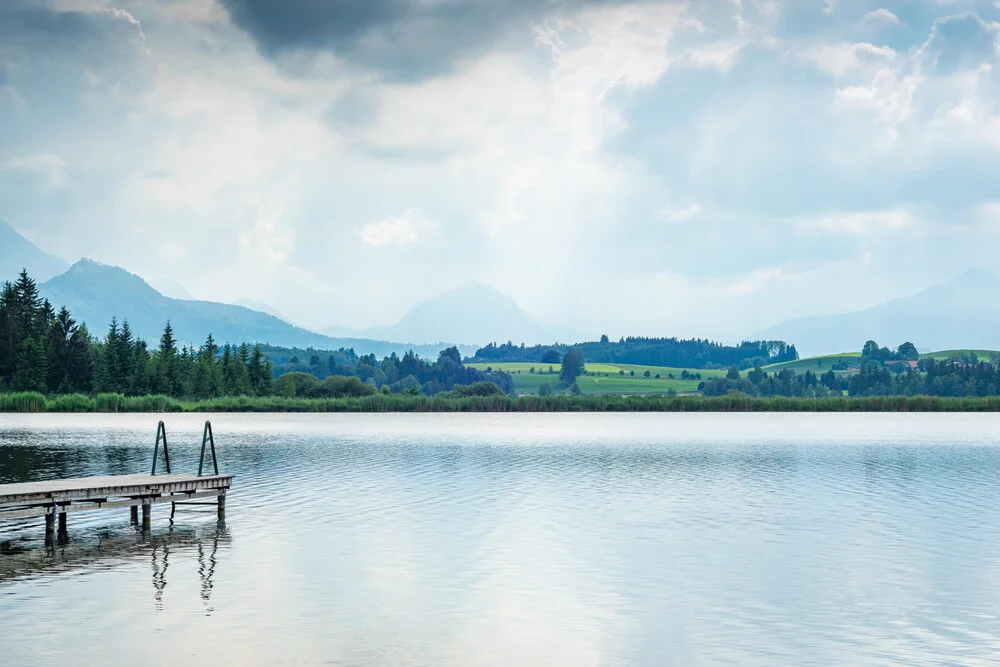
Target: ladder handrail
161,432
208,438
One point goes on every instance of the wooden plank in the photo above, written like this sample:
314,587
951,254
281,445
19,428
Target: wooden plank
106,486
84,506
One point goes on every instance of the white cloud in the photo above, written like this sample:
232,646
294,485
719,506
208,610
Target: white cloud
400,230
880,17
842,58
51,167
862,222
680,213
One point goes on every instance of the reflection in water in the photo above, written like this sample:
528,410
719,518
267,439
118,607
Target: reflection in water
522,539
22,561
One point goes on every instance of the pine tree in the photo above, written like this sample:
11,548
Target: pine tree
32,367
125,360
60,333
167,379
111,380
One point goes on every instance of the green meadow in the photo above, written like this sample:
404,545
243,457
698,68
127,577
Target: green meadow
821,364
982,355
602,378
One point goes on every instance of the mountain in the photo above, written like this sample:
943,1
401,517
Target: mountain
170,288
262,306
94,293
959,314
17,252
473,314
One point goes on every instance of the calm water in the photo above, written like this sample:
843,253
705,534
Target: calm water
520,540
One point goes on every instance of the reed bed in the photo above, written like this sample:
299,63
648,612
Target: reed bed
35,402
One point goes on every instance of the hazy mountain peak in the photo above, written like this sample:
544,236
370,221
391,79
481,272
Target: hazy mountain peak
17,252
977,276
953,314
472,313
93,276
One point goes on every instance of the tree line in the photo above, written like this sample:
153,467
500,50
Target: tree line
42,350
693,353
393,374
47,351
881,372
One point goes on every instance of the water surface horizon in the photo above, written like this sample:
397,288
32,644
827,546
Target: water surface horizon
489,539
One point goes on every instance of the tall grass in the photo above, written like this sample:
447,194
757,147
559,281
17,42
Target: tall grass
35,402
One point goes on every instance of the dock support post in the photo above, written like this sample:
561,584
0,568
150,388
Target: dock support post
146,518
222,505
62,522
50,525
134,515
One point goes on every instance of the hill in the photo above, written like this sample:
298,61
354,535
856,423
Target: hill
470,314
95,292
17,252
960,313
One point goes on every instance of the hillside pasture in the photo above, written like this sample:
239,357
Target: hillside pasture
816,364
601,378
982,355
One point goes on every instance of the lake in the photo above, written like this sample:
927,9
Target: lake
519,539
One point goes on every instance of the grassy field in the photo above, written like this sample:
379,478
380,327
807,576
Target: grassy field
983,355
816,364
602,378
823,363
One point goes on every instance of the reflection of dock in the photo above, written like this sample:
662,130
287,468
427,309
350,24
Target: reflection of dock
18,562
54,499
108,552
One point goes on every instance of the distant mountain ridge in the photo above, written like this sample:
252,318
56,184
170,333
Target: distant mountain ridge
94,293
472,314
17,253
959,314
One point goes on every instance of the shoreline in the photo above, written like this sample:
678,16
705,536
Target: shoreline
114,403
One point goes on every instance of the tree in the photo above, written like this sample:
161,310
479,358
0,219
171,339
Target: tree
550,357
451,353
545,389
32,367
572,366
733,373
908,351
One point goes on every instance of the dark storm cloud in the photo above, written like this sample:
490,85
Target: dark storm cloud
406,38
28,28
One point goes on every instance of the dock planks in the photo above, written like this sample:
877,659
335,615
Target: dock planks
82,488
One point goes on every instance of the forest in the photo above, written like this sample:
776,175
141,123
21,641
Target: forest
46,351
693,353
882,372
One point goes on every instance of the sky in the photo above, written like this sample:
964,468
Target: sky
703,168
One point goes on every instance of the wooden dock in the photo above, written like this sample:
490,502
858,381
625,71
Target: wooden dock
54,499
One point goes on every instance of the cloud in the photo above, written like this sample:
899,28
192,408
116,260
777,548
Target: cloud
594,145
842,58
682,213
879,18
862,222
408,39
51,167
398,231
